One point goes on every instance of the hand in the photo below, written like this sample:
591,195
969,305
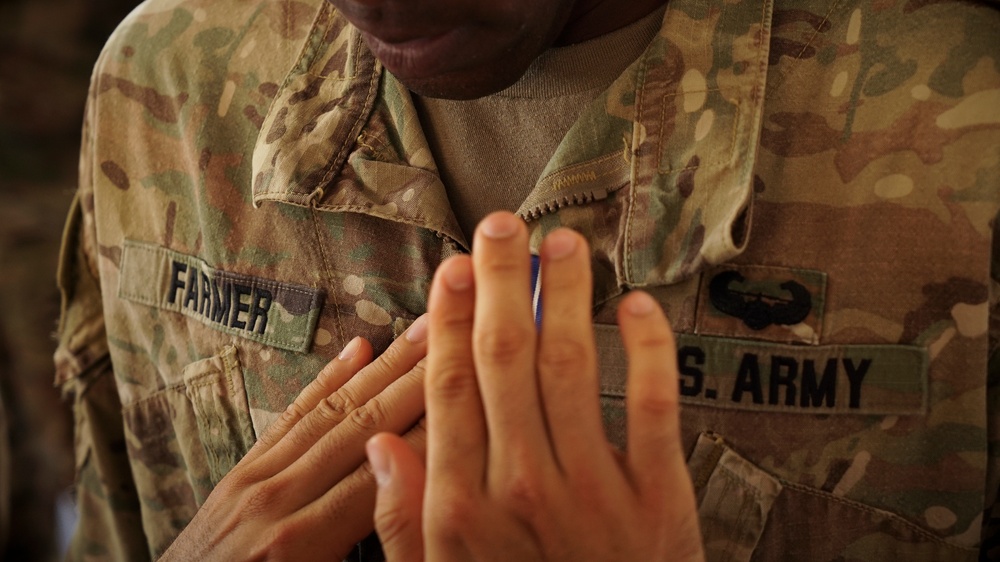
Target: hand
301,493
518,465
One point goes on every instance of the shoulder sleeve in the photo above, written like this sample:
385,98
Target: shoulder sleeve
110,525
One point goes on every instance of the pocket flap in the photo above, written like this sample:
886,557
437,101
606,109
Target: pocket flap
215,389
734,499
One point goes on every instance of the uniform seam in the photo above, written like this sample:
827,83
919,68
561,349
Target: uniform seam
760,86
368,211
231,330
718,163
704,475
212,418
775,90
158,395
582,165
734,480
875,511
328,270
175,387
338,160
633,188
362,142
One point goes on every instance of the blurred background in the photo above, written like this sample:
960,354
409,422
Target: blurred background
47,50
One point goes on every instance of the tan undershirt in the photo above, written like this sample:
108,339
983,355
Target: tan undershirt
490,151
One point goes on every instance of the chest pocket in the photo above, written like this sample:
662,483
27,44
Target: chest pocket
184,439
749,512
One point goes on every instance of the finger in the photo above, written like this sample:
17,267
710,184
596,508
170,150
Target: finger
567,356
333,408
342,449
504,339
457,437
355,355
654,450
348,506
400,475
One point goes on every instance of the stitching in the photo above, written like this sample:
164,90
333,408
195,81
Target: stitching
212,420
599,160
158,395
808,44
737,113
137,297
723,161
874,511
270,340
735,477
782,76
330,12
683,93
704,475
784,409
376,145
660,140
552,186
363,144
764,25
263,338
305,55
230,366
229,275
736,127
329,276
630,214
735,481
337,161
368,211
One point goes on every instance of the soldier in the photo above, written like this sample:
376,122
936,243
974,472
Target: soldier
809,190
518,463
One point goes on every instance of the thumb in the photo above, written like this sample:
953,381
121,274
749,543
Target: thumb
400,475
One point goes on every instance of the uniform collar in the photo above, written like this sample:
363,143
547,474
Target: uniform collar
676,135
317,114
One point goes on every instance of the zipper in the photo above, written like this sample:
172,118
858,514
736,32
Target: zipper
577,185
581,197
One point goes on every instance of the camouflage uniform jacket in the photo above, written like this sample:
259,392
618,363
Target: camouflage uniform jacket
808,187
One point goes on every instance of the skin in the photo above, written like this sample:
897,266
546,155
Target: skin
518,466
465,49
305,491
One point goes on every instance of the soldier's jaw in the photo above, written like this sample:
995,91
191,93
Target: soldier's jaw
456,49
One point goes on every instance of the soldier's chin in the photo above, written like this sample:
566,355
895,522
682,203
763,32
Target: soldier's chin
464,84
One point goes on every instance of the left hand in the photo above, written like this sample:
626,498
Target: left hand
518,465
302,492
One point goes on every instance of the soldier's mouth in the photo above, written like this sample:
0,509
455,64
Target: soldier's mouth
424,56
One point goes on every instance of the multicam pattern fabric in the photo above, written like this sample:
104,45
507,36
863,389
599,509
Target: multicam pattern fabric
854,146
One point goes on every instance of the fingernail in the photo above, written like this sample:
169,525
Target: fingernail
499,226
380,462
458,275
560,244
351,349
641,304
417,332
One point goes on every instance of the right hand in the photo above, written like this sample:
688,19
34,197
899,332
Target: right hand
518,464
302,492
